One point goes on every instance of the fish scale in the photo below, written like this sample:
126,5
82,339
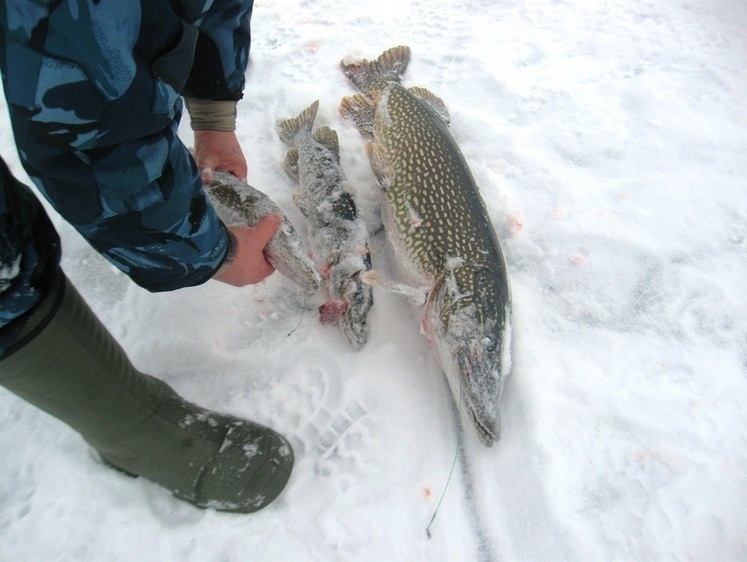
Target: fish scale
439,233
430,175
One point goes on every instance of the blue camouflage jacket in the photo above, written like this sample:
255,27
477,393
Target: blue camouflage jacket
93,90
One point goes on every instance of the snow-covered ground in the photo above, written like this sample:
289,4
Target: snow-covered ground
609,140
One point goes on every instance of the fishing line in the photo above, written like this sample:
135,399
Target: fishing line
451,471
443,493
300,318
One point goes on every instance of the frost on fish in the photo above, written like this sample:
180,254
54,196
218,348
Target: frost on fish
237,201
444,250
469,332
339,235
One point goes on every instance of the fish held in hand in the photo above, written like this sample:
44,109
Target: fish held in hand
446,255
237,201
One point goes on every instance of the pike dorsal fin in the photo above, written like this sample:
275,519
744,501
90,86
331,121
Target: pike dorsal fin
328,138
360,111
435,103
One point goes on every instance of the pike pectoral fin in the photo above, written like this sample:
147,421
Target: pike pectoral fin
290,163
300,202
328,138
381,168
417,295
436,103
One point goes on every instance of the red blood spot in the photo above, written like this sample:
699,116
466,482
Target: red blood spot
331,311
516,222
324,270
427,493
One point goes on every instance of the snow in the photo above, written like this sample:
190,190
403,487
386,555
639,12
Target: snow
609,140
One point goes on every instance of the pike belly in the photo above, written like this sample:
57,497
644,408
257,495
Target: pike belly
441,238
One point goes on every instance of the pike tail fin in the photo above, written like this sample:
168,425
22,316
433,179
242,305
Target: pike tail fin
289,128
370,76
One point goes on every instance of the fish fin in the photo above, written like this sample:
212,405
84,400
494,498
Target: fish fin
382,170
360,111
300,202
368,76
290,163
435,103
417,295
304,122
328,138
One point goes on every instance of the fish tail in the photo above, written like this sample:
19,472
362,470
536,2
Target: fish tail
370,76
289,128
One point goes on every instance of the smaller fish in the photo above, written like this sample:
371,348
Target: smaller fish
340,237
237,201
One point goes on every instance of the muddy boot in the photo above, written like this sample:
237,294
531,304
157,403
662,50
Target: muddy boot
66,362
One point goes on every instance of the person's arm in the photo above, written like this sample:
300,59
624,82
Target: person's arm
216,82
215,85
96,129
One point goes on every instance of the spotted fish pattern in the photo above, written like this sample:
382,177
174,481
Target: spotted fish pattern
439,232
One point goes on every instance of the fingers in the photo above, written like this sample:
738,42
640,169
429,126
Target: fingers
206,174
219,150
267,227
250,264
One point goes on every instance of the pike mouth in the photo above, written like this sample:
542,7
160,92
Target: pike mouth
477,396
486,435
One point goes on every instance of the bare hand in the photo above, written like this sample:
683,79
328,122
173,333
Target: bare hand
250,265
219,150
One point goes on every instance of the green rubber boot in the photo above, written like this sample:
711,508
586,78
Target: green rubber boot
66,363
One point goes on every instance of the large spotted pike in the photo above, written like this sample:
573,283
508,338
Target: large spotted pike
238,202
339,235
446,253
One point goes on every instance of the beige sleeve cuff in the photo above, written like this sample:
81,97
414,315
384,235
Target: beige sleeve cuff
211,115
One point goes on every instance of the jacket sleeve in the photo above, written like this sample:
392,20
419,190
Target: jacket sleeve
222,51
93,93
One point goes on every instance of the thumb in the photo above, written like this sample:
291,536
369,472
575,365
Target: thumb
266,228
206,174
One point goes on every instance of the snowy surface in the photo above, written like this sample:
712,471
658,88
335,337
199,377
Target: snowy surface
610,143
